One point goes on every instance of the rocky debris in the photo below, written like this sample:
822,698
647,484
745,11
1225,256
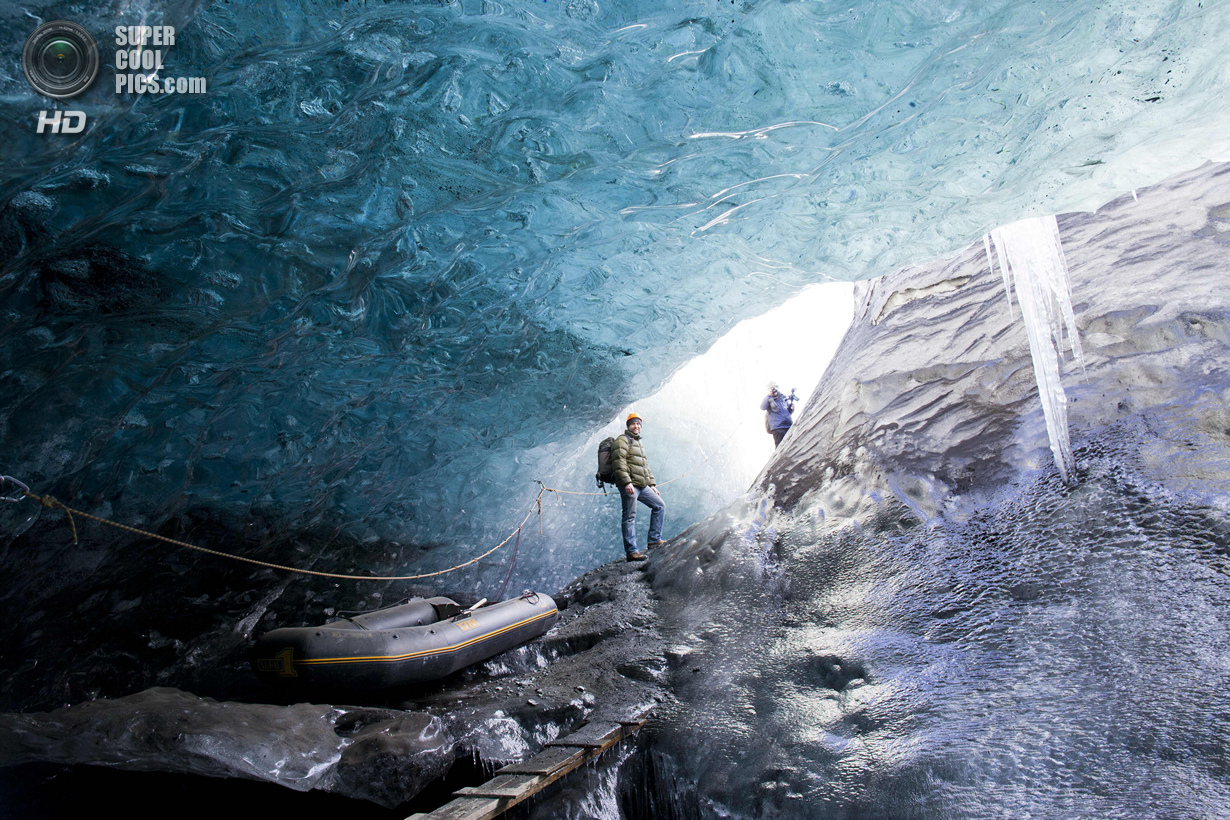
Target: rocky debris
393,746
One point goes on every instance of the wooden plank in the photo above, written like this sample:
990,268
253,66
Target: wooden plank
579,757
468,808
505,787
520,781
594,735
545,762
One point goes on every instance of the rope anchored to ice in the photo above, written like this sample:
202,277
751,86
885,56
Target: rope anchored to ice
54,503
50,502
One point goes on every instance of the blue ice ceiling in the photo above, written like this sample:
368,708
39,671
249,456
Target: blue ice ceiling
401,254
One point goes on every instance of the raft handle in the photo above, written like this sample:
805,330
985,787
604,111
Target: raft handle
9,479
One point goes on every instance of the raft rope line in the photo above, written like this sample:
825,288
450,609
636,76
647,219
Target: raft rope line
53,503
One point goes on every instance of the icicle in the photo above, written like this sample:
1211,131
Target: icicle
1033,252
1003,269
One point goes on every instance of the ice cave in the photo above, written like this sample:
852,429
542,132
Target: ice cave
356,288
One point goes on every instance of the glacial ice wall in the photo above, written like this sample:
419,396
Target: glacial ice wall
395,245
324,313
915,616
910,615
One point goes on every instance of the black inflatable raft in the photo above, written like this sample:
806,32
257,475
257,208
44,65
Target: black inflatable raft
423,639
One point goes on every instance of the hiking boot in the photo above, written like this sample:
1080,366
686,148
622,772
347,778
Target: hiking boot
653,545
637,556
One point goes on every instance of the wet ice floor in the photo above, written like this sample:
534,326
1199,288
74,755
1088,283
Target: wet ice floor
1058,655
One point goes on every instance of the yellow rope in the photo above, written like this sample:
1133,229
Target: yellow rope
53,503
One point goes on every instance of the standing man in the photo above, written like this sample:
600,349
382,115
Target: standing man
778,409
637,483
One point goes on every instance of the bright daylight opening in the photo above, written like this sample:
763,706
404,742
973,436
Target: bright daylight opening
704,431
706,422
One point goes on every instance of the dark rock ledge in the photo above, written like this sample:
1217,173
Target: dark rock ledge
603,661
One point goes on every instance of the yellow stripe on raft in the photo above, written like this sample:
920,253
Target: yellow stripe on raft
425,652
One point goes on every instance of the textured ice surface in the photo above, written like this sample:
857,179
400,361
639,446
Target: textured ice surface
397,245
919,618
936,404
169,730
401,258
911,615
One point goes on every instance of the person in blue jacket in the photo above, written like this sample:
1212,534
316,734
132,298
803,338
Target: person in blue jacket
778,409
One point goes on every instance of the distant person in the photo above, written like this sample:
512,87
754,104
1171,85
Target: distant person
777,409
637,483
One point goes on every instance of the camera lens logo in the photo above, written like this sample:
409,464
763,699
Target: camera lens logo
60,60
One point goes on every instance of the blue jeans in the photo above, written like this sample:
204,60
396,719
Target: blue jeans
650,498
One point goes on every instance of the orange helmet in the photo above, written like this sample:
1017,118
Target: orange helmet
633,417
